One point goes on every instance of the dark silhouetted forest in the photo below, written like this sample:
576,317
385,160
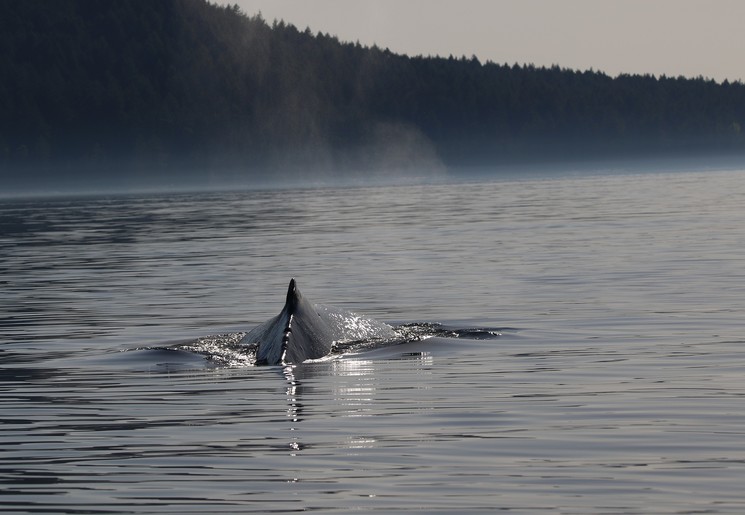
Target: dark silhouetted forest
185,87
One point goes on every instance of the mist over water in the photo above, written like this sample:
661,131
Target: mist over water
613,383
396,156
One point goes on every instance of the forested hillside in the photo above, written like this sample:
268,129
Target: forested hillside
184,86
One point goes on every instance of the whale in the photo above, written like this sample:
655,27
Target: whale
304,330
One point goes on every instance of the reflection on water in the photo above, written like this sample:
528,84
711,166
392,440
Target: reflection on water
123,388
350,385
294,407
357,381
355,390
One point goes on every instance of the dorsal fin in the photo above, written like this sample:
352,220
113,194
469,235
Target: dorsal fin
292,295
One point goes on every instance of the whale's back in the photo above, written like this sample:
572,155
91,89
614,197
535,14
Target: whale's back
304,331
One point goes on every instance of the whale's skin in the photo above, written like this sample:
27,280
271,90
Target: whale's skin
303,331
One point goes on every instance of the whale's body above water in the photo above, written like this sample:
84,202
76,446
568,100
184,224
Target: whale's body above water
303,330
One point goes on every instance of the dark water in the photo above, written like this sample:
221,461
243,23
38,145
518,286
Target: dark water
616,385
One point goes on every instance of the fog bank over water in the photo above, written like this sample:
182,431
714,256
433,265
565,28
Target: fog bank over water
428,170
394,154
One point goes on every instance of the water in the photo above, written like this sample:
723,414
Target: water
615,384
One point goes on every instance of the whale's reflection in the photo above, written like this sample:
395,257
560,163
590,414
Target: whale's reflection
293,388
353,384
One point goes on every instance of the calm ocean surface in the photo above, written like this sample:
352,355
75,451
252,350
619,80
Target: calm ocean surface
616,383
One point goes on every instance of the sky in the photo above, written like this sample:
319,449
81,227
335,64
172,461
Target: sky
670,37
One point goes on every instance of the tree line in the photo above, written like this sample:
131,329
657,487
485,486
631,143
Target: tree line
177,85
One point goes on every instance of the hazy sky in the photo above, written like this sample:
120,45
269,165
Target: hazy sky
672,37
